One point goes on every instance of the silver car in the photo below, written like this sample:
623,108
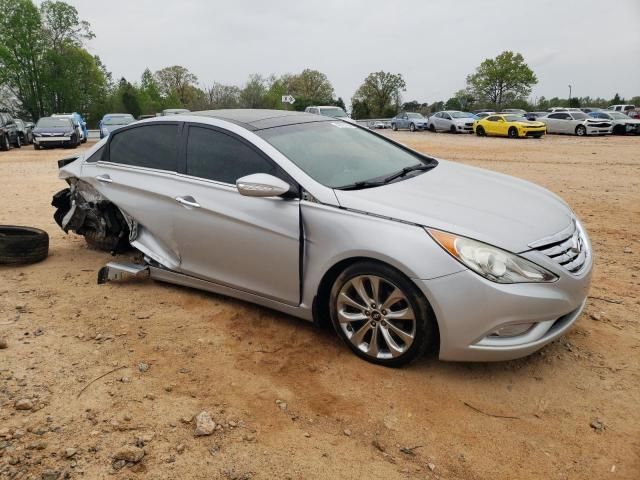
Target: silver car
575,123
332,222
452,121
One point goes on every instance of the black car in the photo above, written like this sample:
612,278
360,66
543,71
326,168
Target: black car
25,131
55,132
8,132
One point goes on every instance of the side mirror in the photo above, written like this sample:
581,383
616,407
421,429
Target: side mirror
262,185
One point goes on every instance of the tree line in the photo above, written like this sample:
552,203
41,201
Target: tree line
45,68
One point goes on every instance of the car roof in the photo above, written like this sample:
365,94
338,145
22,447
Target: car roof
258,119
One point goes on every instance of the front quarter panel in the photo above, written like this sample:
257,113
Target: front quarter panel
336,234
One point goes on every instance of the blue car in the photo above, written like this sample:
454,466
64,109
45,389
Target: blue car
113,121
80,123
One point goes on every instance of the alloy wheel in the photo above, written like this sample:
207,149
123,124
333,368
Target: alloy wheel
376,316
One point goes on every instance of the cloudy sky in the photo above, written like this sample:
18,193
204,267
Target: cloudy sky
594,45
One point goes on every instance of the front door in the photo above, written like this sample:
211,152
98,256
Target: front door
248,243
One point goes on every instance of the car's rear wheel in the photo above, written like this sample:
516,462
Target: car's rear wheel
36,146
381,315
412,127
4,143
432,128
581,130
480,131
18,143
513,132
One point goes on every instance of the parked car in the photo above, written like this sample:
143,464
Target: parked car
174,111
80,123
484,114
590,109
430,255
452,121
621,108
56,132
143,117
510,125
409,121
25,131
534,115
635,113
8,132
575,123
113,121
622,123
517,111
377,125
329,111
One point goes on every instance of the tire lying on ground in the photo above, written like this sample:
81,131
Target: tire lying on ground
22,245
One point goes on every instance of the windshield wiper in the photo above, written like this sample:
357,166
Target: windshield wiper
378,183
406,170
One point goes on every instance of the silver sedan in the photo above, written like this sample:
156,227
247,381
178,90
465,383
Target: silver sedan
331,222
575,123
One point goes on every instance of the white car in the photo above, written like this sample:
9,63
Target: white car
621,123
330,111
452,121
575,123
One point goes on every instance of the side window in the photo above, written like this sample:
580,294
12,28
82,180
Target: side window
446,116
313,110
97,155
217,156
555,115
493,118
150,146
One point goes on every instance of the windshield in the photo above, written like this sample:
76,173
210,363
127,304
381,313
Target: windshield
515,118
333,112
118,120
618,115
337,154
54,122
461,114
579,115
414,115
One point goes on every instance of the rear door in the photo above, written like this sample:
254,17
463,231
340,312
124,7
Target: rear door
137,172
248,243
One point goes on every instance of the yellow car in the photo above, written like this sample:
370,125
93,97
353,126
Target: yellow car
512,126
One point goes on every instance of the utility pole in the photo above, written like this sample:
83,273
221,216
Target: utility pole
569,95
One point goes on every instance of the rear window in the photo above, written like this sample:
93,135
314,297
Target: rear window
149,146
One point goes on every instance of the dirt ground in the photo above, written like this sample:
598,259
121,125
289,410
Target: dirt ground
292,402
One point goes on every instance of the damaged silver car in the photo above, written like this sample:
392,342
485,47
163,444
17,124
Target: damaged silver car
329,221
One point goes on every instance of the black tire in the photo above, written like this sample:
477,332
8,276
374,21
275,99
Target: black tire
394,127
425,324
84,139
537,136
480,131
581,130
4,143
22,245
18,143
105,244
432,128
412,127
513,132
619,130
36,146
452,129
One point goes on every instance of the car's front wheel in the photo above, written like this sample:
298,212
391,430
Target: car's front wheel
412,127
394,127
480,131
513,132
381,315
581,130
4,143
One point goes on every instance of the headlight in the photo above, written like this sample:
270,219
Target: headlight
490,262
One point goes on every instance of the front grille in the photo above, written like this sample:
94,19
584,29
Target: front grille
469,124
599,125
568,248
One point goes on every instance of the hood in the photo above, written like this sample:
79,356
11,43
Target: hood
111,128
462,121
530,123
497,209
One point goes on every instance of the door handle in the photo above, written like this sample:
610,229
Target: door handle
188,201
104,178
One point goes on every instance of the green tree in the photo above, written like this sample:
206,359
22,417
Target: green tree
62,25
617,99
340,103
254,92
222,96
175,82
380,92
498,81
311,85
